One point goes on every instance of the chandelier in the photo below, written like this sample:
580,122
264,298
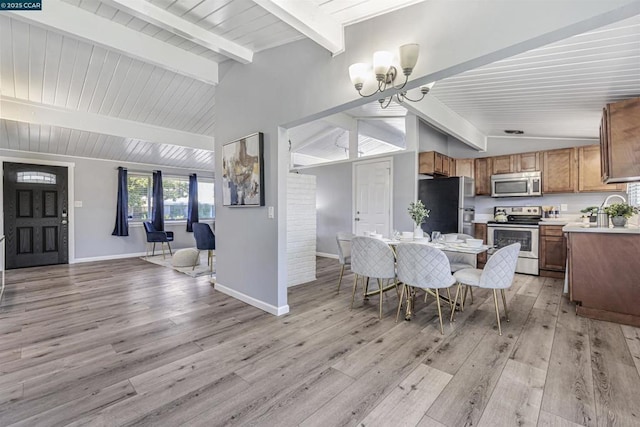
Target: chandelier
386,74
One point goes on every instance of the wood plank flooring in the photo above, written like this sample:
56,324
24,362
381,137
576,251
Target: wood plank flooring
128,342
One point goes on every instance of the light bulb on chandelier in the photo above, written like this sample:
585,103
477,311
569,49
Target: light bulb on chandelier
386,74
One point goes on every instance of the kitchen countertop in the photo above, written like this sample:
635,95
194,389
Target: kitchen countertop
578,228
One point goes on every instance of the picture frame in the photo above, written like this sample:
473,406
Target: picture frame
243,172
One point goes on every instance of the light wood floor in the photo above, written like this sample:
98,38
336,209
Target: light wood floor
128,342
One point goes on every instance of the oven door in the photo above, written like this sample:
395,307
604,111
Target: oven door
501,236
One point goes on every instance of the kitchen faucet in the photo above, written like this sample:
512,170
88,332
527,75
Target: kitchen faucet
606,201
603,218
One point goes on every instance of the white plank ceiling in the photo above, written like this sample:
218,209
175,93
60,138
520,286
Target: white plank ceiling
554,91
557,90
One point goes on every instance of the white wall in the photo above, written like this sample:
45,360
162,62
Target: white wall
96,187
301,228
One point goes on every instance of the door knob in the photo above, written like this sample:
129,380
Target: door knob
357,219
64,222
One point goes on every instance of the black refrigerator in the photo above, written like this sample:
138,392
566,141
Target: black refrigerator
451,201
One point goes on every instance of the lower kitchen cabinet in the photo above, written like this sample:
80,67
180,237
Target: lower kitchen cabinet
603,275
480,232
552,251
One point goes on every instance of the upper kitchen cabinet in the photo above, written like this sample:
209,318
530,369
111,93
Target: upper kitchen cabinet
503,164
464,167
434,163
560,174
620,141
527,162
524,162
589,171
483,169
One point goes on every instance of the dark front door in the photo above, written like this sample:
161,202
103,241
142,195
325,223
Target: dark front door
35,215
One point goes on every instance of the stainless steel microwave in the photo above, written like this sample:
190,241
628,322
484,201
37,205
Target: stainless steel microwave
516,184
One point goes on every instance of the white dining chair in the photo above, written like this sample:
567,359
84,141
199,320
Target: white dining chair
460,261
372,258
344,252
425,267
497,274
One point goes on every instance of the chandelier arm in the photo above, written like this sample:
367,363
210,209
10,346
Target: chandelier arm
382,104
406,79
379,90
414,100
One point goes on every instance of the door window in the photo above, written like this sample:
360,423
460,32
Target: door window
34,177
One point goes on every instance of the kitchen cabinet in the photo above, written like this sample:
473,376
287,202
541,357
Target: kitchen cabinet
589,178
620,141
552,251
502,164
560,172
464,167
434,163
603,274
483,169
527,162
523,162
480,232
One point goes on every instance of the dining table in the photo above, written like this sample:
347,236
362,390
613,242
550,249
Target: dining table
456,246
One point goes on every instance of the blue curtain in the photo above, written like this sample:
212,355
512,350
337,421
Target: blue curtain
157,213
122,223
192,212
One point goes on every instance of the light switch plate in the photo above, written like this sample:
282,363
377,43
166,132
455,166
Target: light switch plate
271,212
563,207
77,203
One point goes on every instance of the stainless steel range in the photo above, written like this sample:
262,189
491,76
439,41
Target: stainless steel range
518,224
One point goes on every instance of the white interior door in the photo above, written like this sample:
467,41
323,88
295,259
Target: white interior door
372,196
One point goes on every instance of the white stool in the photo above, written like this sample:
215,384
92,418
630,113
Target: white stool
188,257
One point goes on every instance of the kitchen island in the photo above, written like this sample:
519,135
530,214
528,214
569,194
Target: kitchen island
604,272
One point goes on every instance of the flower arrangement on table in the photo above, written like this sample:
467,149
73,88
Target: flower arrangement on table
418,212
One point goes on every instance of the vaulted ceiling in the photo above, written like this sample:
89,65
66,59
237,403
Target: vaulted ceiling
135,80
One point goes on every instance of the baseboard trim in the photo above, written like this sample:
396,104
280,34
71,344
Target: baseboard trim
327,255
272,309
107,257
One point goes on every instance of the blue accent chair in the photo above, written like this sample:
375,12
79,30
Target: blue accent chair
156,236
205,241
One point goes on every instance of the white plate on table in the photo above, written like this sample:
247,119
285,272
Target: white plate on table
454,242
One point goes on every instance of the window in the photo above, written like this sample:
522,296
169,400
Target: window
176,198
139,197
633,191
33,177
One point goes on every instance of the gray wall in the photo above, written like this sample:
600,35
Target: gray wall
405,191
513,145
335,197
293,84
96,187
334,191
430,139
574,202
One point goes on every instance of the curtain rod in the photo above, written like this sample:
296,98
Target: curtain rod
168,174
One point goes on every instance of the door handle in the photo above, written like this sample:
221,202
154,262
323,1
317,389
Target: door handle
64,222
357,219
